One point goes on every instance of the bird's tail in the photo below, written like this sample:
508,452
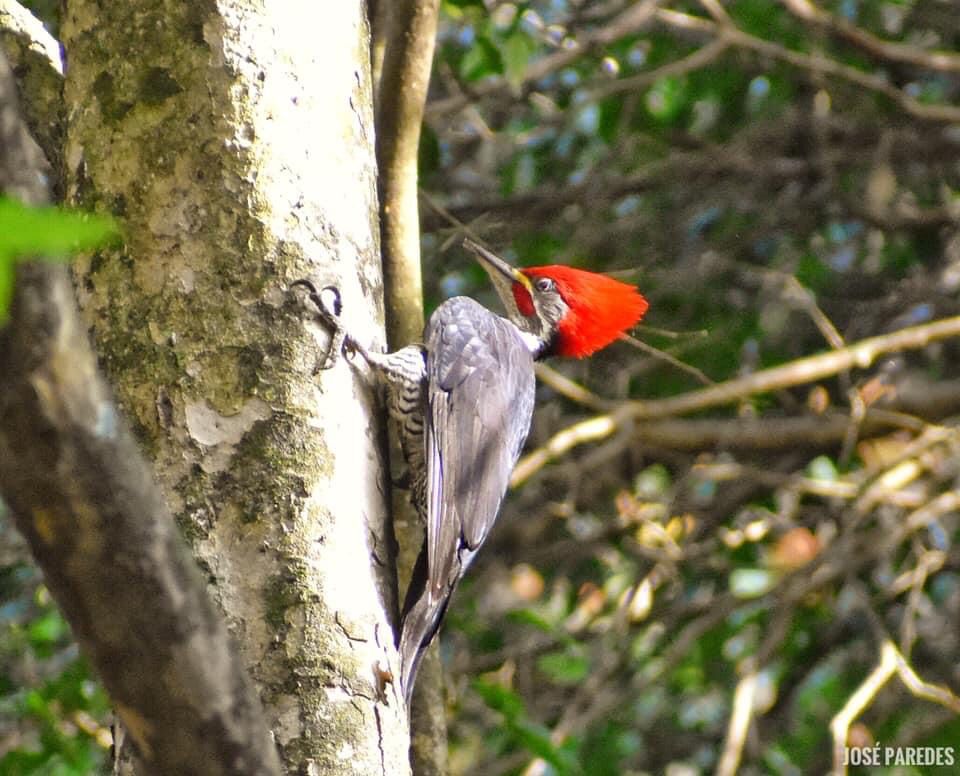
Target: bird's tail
421,618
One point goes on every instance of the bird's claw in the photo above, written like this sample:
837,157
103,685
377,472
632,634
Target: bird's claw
329,306
349,348
337,346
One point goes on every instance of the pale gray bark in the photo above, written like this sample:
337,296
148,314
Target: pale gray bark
83,498
237,147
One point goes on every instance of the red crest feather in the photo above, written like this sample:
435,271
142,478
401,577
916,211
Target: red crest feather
601,308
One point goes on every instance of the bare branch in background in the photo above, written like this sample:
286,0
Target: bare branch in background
783,182
739,724
891,663
814,63
859,355
411,29
882,49
633,19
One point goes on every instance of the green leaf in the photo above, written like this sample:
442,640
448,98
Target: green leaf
516,51
812,273
666,98
49,232
564,668
481,60
609,123
48,629
530,617
653,482
500,698
532,736
537,740
6,286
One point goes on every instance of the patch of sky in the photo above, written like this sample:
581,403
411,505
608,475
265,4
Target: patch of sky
588,119
843,259
841,231
628,205
637,56
569,77
452,284
466,36
759,87
703,220
919,313
530,22
564,145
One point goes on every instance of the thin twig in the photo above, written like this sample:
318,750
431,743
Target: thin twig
632,20
929,562
662,355
569,388
919,688
716,10
805,370
856,703
896,474
891,662
858,355
815,63
882,49
739,724
697,60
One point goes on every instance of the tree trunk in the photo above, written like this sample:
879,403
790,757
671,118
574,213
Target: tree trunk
237,148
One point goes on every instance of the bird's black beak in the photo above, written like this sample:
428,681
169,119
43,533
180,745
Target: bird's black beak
502,275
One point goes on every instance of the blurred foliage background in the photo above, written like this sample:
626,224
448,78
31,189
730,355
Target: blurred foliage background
781,180
727,584
52,713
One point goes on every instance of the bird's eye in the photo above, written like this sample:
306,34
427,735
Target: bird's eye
544,284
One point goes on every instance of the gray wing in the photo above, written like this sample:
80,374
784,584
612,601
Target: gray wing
481,393
480,390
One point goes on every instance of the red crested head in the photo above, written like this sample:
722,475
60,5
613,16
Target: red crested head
595,309
562,310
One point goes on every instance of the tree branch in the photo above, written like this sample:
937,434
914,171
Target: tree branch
633,19
401,93
944,61
405,33
859,355
96,523
546,201
815,63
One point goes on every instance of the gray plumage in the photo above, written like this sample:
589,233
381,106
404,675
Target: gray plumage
479,400
463,403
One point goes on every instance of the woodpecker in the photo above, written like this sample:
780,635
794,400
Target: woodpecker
463,402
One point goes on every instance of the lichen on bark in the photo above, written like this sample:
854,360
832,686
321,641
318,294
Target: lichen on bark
237,149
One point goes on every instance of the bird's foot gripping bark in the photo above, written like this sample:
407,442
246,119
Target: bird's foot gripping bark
329,306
